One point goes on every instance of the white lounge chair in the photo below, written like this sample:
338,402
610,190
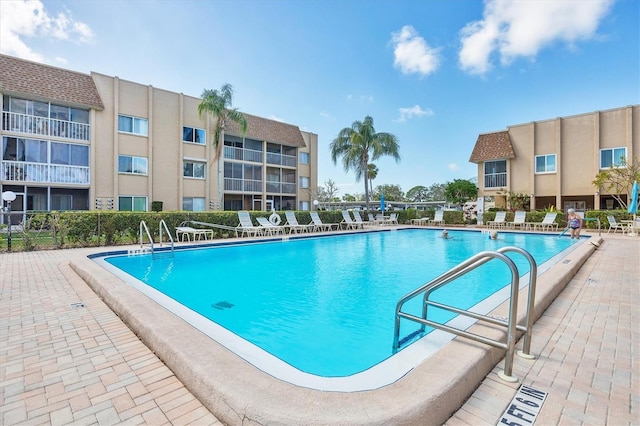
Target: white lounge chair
294,225
393,219
246,226
613,224
547,224
518,220
499,221
347,222
318,225
183,231
438,218
356,216
268,227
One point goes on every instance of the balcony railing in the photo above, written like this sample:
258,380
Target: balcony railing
281,188
233,153
281,159
21,171
43,126
242,185
495,180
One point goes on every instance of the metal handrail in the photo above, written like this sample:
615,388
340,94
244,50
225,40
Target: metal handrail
160,226
511,323
143,226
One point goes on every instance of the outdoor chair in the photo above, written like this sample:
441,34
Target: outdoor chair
269,228
318,225
348,222
547,224
613,224
499,221
438,218
293,225
246,226
518,220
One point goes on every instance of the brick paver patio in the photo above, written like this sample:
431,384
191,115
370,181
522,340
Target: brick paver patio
62,364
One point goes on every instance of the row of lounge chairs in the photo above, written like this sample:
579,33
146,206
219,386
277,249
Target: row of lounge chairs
519,222
265,227
438,220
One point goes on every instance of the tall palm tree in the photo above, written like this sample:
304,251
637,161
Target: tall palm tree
218,104
360,143
372,173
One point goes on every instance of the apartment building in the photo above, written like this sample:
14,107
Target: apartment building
73,141
555,161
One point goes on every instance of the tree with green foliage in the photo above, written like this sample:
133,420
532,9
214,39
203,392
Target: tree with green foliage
618,180
218,103
417,194
359,144
390,192
460,191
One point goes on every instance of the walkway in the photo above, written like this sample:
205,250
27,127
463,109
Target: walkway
61,363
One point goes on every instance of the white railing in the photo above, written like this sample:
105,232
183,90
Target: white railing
233,153
496,180
281,159
242,185
44,126
281,188
21,171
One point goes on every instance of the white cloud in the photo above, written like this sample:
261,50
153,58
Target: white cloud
361,98
453,167
523,28
409,113
21,20
412,53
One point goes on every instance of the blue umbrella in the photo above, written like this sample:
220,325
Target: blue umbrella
633,205
382,203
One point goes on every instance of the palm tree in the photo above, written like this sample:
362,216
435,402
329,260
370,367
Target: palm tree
360,143
218,104
372,173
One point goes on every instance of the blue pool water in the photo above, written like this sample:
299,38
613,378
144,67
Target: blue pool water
326,305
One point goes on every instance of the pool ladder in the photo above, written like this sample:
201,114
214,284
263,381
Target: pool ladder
509,323
144,230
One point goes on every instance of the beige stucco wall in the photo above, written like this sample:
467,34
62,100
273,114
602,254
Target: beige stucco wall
576,141
167,113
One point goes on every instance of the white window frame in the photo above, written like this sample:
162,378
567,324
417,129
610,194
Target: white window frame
304,182
133,202
134,160
193,133
305,158
192,199
305,206
135,125
194,162
613,159
546,164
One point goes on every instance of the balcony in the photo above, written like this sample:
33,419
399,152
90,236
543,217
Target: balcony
495,180
242,185
281,188
25,172
281,159
233,153
43,126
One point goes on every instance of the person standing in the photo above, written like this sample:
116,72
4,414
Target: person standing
575,223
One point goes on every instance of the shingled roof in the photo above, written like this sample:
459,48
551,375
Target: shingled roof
492,146
264,129
26,78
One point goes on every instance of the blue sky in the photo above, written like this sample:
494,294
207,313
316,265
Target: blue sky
436,73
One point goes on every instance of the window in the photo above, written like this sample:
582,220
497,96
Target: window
133,165
137,126
69,154
132,204
193,135
193,169
193,204
304,182
233,170
613,157
304,158
495,174
18,149
546,163
305,205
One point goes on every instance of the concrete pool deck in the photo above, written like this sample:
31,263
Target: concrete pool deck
63,364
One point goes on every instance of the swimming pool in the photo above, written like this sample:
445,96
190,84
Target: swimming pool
325,305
